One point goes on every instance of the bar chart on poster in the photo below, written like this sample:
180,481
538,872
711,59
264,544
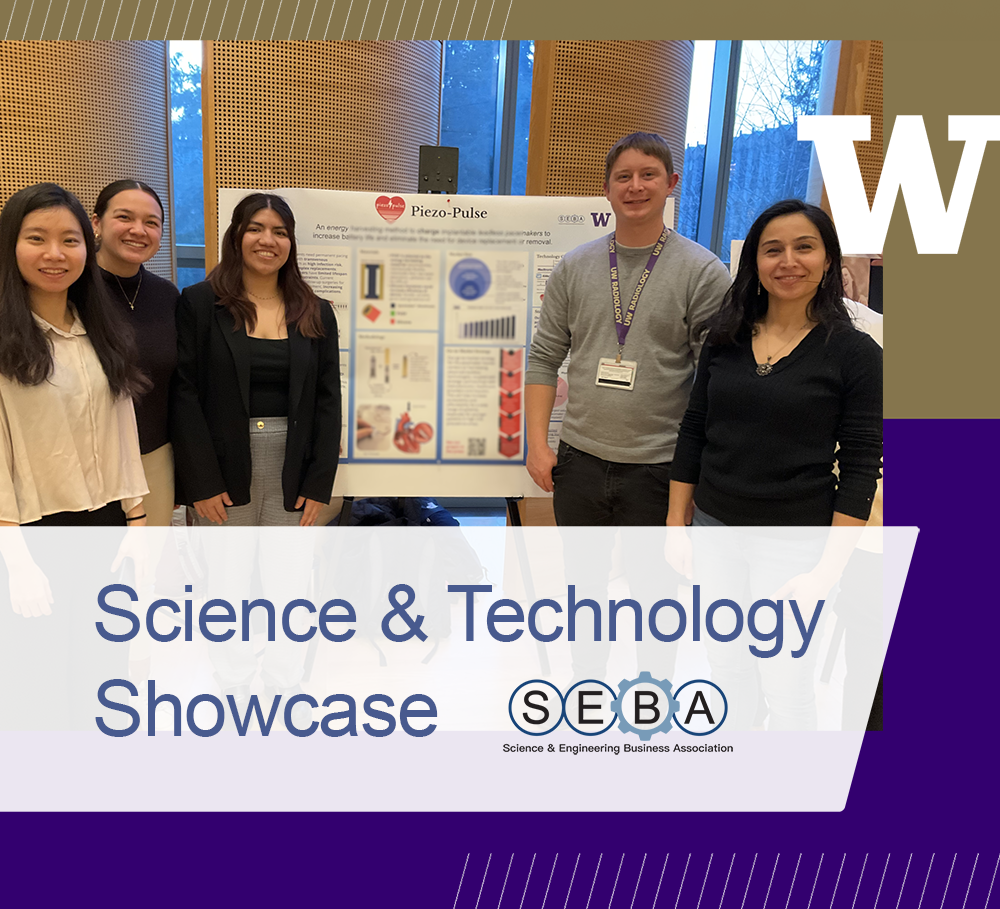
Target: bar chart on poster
436,298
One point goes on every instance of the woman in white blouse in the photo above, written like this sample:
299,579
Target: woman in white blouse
69,450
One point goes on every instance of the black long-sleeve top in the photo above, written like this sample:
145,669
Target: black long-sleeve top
153,321
761,448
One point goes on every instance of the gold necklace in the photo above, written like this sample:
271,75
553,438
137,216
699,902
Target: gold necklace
259,297
765,368
131,303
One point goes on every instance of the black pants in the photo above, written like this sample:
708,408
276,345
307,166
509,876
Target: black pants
590,491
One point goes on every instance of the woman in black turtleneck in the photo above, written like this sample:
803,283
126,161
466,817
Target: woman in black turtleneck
128,223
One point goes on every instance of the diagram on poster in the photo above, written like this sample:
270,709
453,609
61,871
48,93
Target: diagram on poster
398,289
484,297
395,395
483,405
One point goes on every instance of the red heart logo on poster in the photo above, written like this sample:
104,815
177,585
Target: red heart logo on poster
390,209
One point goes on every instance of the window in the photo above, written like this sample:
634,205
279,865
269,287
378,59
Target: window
186,153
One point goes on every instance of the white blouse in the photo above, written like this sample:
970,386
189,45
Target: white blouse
67,444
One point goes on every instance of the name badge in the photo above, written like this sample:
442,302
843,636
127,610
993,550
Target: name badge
611,374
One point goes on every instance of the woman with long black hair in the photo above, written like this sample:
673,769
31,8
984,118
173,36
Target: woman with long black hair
784,378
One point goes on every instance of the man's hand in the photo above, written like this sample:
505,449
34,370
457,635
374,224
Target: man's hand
541,460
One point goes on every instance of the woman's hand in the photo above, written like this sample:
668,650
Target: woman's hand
678,552
213,509
30,594
311,511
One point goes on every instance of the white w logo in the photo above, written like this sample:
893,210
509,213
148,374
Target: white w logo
908,164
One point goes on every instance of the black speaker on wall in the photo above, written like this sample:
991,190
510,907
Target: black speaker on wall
438,169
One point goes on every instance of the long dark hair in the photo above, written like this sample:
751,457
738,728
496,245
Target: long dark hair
301,304
119,186
745,305
25,355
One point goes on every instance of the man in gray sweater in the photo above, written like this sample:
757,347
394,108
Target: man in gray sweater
625,309
632,350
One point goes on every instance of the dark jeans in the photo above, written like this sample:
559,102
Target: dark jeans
590,491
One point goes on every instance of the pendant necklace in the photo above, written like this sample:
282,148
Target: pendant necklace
131,303
765,368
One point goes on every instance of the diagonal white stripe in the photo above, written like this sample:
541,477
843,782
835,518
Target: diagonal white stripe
507,875
926,879
100,16
726,884
795,874
526,882
121,3
509,8
238,24
775,868
549,884
134,17
61,24
489,858
664,868
967,889
48,9
615,886
837,884
811,892
310,26
170,19
186,20
490,16
462,878
594,881
204,21
988,895
906,872
453,15
378,34
475,3
856,889
295,16
398,24
705,879
225,12
349,8
886,868
415,24
639,878
572,878
257,25
277,16
11,19
78,25
684,875
948,882
26,21
364,20
435,22
152,16
745,892
328,18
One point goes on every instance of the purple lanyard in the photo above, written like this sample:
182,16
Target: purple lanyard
623,321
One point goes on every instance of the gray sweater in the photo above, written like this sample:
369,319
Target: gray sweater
637,426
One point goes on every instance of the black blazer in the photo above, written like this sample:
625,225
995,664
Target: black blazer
210,412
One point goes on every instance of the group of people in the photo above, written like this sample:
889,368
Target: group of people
693,397
112,385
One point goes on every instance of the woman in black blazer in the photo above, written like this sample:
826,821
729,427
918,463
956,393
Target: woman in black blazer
256,414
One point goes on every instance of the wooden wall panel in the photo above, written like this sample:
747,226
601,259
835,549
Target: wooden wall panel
82,114
588,94
326,115
859,91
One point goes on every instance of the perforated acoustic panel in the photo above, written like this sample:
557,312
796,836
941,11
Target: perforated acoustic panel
870,155
324,115
588,94
82,114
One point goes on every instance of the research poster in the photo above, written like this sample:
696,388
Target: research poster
917,825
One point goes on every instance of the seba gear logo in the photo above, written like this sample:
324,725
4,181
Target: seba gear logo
642,706
390,207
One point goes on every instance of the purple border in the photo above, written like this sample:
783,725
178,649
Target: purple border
917,792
